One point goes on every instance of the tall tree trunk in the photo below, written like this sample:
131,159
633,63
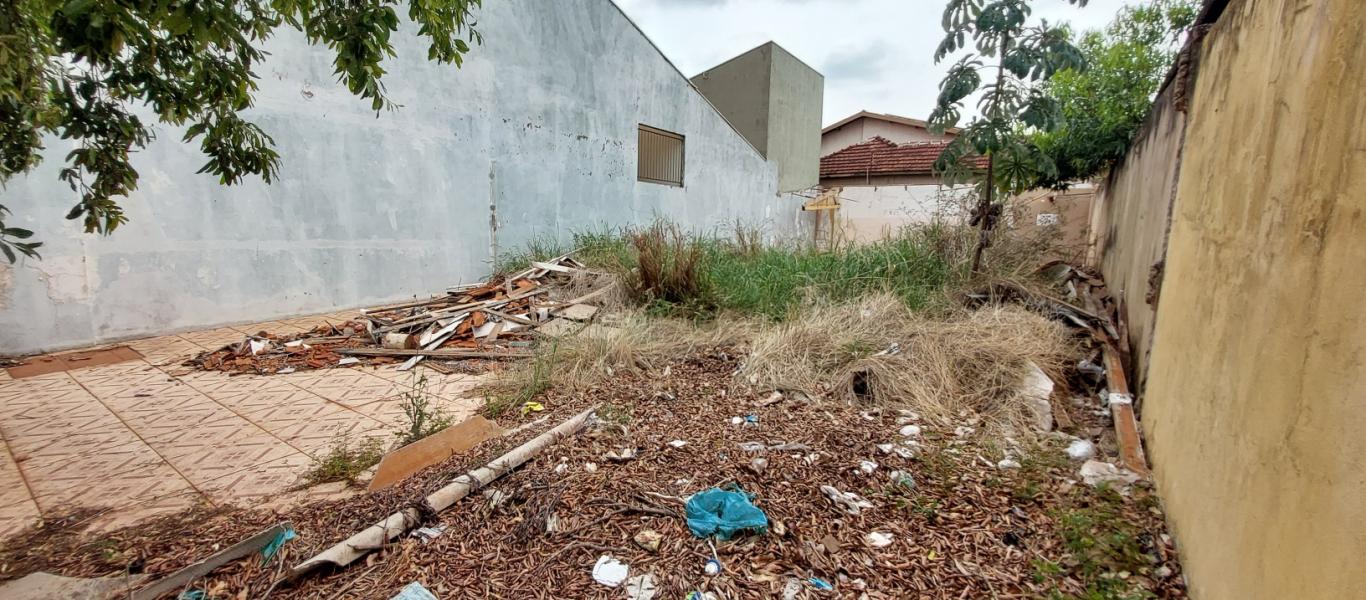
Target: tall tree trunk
984,220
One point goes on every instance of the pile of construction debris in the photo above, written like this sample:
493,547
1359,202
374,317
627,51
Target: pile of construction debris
495,319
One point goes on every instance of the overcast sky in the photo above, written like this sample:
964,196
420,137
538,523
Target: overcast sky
875,54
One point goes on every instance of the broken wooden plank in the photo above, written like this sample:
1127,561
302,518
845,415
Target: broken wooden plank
553,267
594,294
433,353
182,578
402,463
509,317
1121,401
578,312
396,524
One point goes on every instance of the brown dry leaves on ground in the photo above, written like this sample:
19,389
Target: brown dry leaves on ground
965,530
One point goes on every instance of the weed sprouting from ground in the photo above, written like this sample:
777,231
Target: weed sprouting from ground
345,461
523,385
421,417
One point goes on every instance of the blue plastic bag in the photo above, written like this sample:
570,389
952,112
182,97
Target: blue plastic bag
722,513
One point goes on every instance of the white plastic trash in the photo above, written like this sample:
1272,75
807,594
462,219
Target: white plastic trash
877,539
609,571
1081,450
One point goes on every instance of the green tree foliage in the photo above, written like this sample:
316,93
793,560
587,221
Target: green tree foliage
76,68
1017,57
1105,105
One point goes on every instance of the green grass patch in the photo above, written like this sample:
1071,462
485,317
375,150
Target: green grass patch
676,273
345,461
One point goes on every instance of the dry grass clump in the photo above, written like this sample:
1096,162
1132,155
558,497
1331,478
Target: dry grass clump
625,341
877,351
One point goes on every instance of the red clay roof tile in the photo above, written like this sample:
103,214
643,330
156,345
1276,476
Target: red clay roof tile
878,156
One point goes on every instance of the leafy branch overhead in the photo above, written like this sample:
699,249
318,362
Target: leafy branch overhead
1105,105
1006,60
75,69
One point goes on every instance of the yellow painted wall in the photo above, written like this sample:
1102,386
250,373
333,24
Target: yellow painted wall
1255,412
1129,220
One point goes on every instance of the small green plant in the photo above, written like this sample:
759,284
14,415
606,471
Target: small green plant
422,417
926,507
344,461
538,381
615,414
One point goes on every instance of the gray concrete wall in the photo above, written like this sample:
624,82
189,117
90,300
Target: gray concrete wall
794,129
739,88
775,100
540,124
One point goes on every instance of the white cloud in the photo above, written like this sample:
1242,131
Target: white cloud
875,54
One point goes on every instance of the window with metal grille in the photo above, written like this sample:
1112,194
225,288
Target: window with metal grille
660,156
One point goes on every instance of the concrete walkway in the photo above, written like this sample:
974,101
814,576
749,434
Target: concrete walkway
150,436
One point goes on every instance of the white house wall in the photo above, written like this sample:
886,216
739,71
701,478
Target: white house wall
540,124
871,213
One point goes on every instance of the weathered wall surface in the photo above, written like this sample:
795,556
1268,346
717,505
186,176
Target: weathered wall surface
1063,217
540,125
869,213
739,88
775,100
1256,403
1129,220
794,131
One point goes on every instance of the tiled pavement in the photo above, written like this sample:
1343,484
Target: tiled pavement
150,436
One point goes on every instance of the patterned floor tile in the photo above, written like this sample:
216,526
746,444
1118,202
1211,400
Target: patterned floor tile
70,415
32,452
115,474
13,489
223,457
18,516
319,436
351,388
213,339
165,350
258,481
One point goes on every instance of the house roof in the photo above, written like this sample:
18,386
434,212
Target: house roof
883,117
878,156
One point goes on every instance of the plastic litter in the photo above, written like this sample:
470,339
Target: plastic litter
414,591
910,431
723,513
753,446
429,533
902,478
877,539
1095,473
885,448
277,542
641,587
678,443
1008,463
531,407
1081,450
624,455
821,584
758,465
350,360
867,467
791,588
609,571
712,568
590,467
191,595
851,503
